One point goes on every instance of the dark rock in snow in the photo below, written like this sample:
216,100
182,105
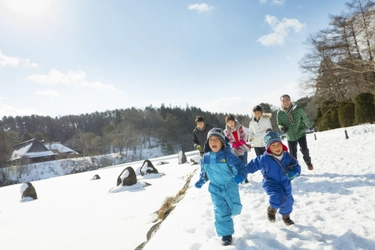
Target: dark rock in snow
127,177
148,168
95,177
181,157
28,191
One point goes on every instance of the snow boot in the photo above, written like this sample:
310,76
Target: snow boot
226,240
310,166
271,214
287,220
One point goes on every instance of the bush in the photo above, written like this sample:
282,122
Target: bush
364,108
346,114
327,116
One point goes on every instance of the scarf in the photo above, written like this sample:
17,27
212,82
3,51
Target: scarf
235,135
204,127
289,113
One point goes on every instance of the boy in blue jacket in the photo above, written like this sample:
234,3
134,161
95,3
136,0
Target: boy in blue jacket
225,171
278,168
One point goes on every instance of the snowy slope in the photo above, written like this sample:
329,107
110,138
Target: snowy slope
333,206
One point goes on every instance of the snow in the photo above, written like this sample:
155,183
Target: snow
23,187
56,146
333,207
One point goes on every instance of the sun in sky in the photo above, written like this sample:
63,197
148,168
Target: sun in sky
35,9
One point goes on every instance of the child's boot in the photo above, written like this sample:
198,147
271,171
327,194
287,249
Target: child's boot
287,220
226,240
271,214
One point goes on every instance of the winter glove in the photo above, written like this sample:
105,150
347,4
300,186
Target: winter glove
291,175
284,129
238,179
312,126
199,184
198,147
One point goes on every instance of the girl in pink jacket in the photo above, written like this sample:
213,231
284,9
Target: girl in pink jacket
236,134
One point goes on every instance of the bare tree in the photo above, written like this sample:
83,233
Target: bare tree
340,62
125,137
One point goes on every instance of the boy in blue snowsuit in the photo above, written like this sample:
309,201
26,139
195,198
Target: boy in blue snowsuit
278,168
225,171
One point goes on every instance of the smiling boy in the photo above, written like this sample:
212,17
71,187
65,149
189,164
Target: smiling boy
225,171
278,168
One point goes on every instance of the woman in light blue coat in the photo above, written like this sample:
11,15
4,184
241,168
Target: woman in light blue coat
225,171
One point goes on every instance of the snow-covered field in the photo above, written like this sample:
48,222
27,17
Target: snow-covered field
333,206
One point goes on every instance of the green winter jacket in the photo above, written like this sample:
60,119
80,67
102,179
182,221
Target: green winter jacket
298,128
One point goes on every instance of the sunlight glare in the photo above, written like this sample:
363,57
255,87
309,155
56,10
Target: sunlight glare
28,8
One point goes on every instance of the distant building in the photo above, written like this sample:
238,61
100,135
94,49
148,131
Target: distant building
31,151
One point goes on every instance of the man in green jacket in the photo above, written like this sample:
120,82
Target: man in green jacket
292,119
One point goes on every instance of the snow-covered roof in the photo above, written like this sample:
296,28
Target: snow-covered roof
57,146
22,150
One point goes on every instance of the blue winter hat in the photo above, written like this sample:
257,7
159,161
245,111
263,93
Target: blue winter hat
218,132
270,138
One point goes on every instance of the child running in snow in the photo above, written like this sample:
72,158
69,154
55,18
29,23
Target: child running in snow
225,171
236,134
278,168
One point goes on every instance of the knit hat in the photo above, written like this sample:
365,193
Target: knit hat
218,132
270,138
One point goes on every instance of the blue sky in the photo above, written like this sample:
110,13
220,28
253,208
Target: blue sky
66,57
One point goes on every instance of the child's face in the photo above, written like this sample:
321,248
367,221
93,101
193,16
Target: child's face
276,148
257,114
200,125
214,143
230,124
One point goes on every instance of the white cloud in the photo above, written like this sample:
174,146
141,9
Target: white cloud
280,2
8,61
201,7
15,61
76,78
281,30
29,64
6,110
49,93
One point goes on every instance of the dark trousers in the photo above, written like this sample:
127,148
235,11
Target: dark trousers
244,160
243,157
303,147
259,150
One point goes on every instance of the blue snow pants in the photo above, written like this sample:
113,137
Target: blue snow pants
280,196
227,203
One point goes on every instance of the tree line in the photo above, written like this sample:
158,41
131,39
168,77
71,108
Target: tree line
106,132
